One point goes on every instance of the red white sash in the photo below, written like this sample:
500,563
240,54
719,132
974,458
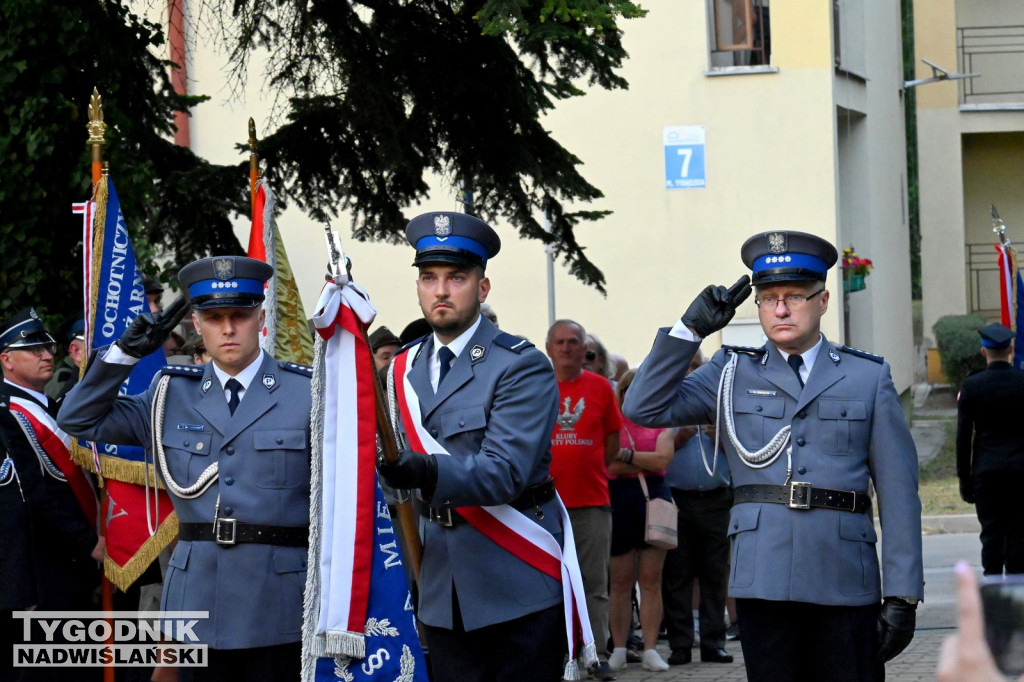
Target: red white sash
52,446
510,529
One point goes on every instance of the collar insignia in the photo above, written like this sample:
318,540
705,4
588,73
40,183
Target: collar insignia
476,353
269,380
834,355
224,268
207,384
442,226
777,242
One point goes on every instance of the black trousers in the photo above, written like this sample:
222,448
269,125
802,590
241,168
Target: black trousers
527,649
702,554
997,501
800,642
281,662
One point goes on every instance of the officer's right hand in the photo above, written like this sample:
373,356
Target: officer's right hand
967,492
410,471
149,330
715,306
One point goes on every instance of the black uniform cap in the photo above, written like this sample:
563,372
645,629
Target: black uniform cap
456,238
24,330
787,256
381,337
996,336
152,286
225,282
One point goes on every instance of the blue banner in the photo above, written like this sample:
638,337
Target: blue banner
392,645
117,296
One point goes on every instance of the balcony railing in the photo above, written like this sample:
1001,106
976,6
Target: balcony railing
982,266
997,53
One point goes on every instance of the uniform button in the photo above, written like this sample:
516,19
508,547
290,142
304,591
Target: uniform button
863,533
230,450
303,563
187,443
802,470
735,525
462,422
843,413
801,414
229,511
801,442
280,441
433,432
199,446
229,481
759,408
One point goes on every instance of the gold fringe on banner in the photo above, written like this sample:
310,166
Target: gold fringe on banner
124,576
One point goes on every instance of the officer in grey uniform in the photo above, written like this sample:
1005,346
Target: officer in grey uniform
807,426
487,614
230,440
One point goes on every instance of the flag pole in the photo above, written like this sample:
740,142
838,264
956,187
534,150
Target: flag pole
254,166
97,130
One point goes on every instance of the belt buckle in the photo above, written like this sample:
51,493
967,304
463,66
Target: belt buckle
853,507
224,531
802,499
442,517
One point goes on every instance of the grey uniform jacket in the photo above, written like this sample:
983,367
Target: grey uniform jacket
494,413
252,591
848,428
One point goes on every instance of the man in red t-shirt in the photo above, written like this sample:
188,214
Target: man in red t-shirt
585,440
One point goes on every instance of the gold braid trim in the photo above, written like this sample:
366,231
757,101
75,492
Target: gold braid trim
124,576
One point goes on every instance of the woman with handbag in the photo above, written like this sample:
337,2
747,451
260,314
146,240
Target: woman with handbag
637,483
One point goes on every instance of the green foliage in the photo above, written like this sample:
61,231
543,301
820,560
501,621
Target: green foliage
388,92
957,339
52,54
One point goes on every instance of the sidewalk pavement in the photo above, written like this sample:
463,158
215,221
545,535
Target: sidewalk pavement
917,664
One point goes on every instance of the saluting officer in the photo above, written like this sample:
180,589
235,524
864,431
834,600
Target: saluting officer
231,443
990,451
487,402
807,425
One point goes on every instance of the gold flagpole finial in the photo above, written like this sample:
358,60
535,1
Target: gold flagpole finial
252,136
96,127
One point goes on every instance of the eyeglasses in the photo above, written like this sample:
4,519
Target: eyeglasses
590,355
37,351
791,302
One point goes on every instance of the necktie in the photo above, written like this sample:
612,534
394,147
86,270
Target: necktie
445,355
796,362
234,386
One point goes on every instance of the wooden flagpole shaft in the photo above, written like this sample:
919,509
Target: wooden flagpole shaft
254,167
97,130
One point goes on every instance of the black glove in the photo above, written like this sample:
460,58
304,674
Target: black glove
411,470
149,330
895,627
715,306
967,491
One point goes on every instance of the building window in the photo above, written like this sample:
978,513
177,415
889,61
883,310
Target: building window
741,33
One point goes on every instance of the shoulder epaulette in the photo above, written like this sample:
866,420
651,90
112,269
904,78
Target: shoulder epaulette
862,354
413,343
975,371
295,367
746,350
512,342
190,371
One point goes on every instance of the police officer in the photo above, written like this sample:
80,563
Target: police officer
490,401
231,443
990,451
65,375
807,425
48,543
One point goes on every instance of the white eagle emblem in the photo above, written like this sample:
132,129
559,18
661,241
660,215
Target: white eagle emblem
570,415
776,242
224,268
442,226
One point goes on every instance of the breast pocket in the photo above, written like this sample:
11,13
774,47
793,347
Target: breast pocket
460,422
758,419
187,453
843,422
282,458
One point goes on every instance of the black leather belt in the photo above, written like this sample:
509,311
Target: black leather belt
231,532
533,498
799,495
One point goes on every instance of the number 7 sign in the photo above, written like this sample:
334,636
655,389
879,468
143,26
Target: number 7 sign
684,157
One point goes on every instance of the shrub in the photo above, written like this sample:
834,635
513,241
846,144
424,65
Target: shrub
959,345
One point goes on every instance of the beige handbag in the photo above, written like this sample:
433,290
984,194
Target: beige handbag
662,526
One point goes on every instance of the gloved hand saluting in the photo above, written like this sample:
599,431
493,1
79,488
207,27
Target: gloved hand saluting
149,330
715,306
411,470
895,627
